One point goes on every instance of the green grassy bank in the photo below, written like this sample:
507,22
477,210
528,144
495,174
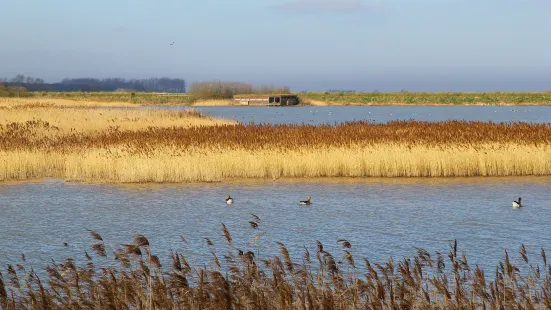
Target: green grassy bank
425,98
325,98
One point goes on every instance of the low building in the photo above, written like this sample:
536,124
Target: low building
266,100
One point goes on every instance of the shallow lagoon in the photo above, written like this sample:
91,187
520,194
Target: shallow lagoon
377,114
380,217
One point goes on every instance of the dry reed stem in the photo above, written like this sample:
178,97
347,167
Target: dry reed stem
134,278
201,164
213,103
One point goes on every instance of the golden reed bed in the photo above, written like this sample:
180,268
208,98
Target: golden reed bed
238,276
134,145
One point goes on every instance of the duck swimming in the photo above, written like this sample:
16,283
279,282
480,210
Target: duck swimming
306,202
229,200
517,204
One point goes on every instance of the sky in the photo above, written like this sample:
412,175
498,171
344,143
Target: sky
311,45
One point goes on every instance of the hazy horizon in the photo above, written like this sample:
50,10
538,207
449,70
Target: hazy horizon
313,45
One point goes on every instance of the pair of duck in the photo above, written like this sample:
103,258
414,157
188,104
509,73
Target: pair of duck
516,203
308,201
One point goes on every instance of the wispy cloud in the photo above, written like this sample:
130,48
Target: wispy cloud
315,6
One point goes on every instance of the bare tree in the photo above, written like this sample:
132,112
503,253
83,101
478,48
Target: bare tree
225,90
20,78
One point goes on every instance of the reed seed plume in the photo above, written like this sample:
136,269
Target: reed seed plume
245,281
227,235
183,239
345,244
141,241
255,239
95,235
99,249
256,218
209,242
523,253
132,249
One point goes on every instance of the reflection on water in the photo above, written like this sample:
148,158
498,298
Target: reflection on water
380,217
378,114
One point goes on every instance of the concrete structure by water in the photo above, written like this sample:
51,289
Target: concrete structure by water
266,100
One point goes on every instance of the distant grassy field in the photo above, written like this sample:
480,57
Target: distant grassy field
411,98
138,98
321,98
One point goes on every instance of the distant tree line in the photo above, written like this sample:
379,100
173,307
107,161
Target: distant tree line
13,91
200,90
164,84
226,90
21,79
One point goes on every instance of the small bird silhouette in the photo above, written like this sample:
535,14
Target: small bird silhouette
517,204
306,202
229,200
172,43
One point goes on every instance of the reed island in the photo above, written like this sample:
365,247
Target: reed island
78,140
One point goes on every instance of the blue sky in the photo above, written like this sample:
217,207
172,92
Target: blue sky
365,45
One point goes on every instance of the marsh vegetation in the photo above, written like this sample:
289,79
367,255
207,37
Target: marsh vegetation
425,98
217,93
132,276
41,139
115,142
208,93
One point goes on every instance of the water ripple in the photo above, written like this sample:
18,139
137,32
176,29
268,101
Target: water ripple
380,217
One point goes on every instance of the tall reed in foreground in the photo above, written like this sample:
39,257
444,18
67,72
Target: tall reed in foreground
132,277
